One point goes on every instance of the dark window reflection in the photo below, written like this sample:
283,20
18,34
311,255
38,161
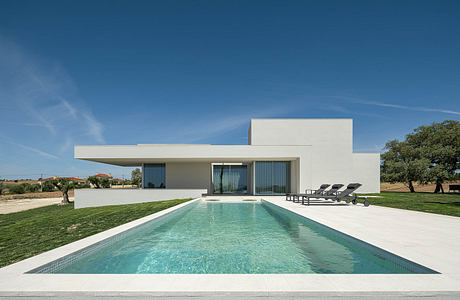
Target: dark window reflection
154,176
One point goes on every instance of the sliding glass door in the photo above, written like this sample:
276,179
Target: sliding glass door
272,177
154,176
230,179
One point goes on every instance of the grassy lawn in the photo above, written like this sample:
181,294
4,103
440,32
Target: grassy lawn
28,233
445,204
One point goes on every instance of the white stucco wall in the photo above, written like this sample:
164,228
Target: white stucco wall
331,158
188,175
331,143
295,179
315,132
104,197
366,170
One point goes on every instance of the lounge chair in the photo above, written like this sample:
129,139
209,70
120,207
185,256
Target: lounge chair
294,196
329,193
346,195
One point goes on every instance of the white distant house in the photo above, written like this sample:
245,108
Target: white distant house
282,155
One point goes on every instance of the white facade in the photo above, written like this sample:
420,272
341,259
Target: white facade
317,150
331,159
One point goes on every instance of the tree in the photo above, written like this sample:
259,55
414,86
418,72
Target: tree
47,186
440,144
64,185
105,182
95,181
83,185
136,177
403,163
221,186
429,154
1,187
99,182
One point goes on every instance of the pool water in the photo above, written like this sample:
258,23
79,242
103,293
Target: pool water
236,238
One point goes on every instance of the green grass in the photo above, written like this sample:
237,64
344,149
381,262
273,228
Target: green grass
445,204
28,233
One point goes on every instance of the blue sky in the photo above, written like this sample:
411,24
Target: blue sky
129,72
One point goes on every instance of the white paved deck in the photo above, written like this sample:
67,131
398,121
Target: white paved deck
428,239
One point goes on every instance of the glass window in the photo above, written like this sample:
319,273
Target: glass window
154,176
272,177
228,179
263,177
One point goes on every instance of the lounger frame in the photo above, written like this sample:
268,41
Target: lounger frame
346,195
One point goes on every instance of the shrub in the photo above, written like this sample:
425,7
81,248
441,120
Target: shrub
47,186
82,185
31,188
105,183
35,187
27,187
16,189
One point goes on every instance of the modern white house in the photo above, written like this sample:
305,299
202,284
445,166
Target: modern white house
282,156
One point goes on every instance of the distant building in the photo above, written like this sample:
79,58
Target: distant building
108,176
100,175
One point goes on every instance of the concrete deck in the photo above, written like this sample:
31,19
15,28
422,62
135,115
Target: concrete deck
428,239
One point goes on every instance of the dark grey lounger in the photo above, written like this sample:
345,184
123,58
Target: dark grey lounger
320,191
338,196
329,193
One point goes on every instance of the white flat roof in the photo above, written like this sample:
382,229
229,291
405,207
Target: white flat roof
134,155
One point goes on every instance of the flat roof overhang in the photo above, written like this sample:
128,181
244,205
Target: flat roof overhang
135,155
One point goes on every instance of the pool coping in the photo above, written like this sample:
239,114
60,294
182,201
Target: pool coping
14,281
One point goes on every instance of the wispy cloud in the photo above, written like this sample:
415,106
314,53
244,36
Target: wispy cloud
66,146
40,93
72,111
94,128
35,150
397,106
209,127
26,124
337,108
40,118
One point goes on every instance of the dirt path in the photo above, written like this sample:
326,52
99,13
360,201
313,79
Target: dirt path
15,205
38,195
401,187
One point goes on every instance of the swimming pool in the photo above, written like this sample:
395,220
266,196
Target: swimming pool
232,238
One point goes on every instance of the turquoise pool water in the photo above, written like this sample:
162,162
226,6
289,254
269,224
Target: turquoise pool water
217,237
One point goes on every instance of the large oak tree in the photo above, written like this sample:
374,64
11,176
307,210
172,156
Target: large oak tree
429,154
